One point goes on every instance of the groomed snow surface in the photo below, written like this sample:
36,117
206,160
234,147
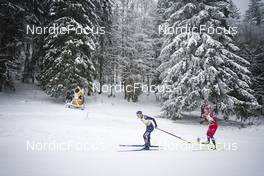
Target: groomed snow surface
39,136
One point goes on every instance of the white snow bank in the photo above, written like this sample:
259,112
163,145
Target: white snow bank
31,117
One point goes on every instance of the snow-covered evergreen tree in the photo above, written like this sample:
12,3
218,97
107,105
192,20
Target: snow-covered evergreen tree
251,45
13,16
251,42
68,56
111,67
201,66
36,14
15,44
104,11
258,72
234,11
255,13
131,44
11,22
132,51
130,71
234,18
146,36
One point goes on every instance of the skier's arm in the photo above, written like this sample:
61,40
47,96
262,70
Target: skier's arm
203,119
155,123
210,119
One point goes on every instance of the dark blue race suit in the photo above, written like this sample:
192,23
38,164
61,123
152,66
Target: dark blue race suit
149,128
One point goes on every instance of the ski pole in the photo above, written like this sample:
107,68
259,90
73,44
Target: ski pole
173,135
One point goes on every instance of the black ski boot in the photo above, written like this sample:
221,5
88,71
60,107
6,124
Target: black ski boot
214,148
146,147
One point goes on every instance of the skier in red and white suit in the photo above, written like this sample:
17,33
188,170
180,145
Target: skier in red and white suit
208,115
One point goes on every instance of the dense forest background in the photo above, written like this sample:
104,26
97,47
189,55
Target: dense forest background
226,71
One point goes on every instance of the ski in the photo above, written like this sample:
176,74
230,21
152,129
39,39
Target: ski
138,150
218,145
125,145
205,150
210,147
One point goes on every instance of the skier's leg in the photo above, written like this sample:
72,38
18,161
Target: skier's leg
145,137
212,137
208,136
208,139
212,132
149,140
213,140
150,131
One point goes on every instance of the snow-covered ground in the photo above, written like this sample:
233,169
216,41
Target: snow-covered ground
40,137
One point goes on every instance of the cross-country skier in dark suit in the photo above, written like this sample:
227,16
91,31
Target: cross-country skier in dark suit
149,127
